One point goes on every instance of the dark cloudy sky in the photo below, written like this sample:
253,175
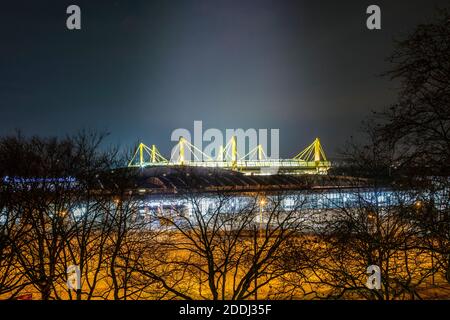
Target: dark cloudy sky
140,69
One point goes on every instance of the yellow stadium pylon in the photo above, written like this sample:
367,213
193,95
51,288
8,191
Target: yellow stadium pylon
313,152
142,152
310,160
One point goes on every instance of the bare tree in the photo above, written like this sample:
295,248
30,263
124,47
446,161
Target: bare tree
418,127
220,245
419,124
49,179
11,279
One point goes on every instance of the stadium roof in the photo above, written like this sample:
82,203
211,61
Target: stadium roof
197,179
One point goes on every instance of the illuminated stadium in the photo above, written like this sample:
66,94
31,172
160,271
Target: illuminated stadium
311,160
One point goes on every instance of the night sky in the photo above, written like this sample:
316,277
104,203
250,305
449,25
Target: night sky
140,69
